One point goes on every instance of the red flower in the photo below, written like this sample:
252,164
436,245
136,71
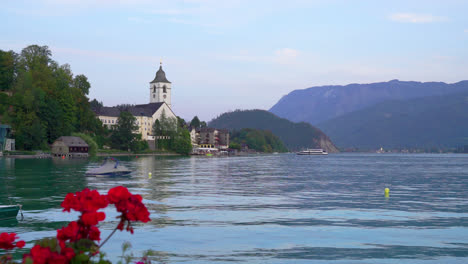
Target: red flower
94,233
93,218
117,194
84,201
129,205
7,240
38,254
43,255
70,232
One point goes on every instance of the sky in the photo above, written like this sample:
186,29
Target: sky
241,54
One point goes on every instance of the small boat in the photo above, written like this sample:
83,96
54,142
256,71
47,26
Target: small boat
9,211
312,152
110,166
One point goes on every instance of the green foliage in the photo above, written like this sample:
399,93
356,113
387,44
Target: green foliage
259,140
123,137
195,122
47,102
295,136
182,143
92,146
167,127
234,145
179,137
8,62
81,83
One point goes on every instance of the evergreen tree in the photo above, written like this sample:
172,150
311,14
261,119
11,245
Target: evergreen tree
195,122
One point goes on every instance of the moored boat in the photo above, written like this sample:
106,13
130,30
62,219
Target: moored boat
9,211
110,166
312,152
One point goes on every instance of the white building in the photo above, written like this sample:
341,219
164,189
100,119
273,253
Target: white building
145,114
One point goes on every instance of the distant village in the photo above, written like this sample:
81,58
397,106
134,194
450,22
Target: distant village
204,140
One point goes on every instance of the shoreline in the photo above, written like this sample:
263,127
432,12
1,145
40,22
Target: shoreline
49,156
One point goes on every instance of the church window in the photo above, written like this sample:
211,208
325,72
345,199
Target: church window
164,89
154,89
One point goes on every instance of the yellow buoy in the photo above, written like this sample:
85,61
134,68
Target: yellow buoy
387,192
149,175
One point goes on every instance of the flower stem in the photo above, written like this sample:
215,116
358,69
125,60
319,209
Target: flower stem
103,242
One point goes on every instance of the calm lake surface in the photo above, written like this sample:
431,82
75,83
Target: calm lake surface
264,209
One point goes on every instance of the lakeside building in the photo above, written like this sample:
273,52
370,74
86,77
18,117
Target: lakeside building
6,143
70,147
208,137
145,114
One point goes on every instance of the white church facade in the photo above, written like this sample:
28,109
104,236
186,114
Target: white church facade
145,114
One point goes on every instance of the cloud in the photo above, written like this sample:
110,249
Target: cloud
286,55
416,18
466,31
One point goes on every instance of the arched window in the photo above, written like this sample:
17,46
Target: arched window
154,89
164,89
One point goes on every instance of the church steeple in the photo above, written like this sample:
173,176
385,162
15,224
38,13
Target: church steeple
160,75
160,88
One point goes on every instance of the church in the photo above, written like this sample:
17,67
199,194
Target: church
145,114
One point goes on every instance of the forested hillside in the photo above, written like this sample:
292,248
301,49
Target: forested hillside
295,136
429,123
41,99
259,140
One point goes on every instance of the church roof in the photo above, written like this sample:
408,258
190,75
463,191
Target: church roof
160,76
136,110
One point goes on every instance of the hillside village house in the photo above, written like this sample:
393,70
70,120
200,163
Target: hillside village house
145,114
210,138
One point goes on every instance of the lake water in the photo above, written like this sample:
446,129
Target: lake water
264,209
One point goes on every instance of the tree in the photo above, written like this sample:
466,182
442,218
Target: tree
167,127
181,122
123,137
182,143
195,122
95,105
8,70
81,83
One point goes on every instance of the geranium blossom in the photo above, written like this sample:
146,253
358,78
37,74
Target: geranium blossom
7,241
84,201
78,237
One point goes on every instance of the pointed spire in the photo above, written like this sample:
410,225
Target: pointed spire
160,75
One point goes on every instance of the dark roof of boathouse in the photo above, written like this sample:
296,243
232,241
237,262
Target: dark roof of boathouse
73,141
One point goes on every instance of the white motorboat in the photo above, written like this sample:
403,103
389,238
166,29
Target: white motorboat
110,166
312,152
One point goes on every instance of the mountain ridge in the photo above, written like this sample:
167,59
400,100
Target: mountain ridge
427,122
320,103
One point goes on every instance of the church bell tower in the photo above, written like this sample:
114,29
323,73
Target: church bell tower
160,88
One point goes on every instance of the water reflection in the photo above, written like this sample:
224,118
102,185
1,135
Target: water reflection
265,208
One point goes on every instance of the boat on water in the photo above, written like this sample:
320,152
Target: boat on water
110,166
9,211
312,152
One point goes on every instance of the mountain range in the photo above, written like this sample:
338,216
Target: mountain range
392,114
318,104
434,122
